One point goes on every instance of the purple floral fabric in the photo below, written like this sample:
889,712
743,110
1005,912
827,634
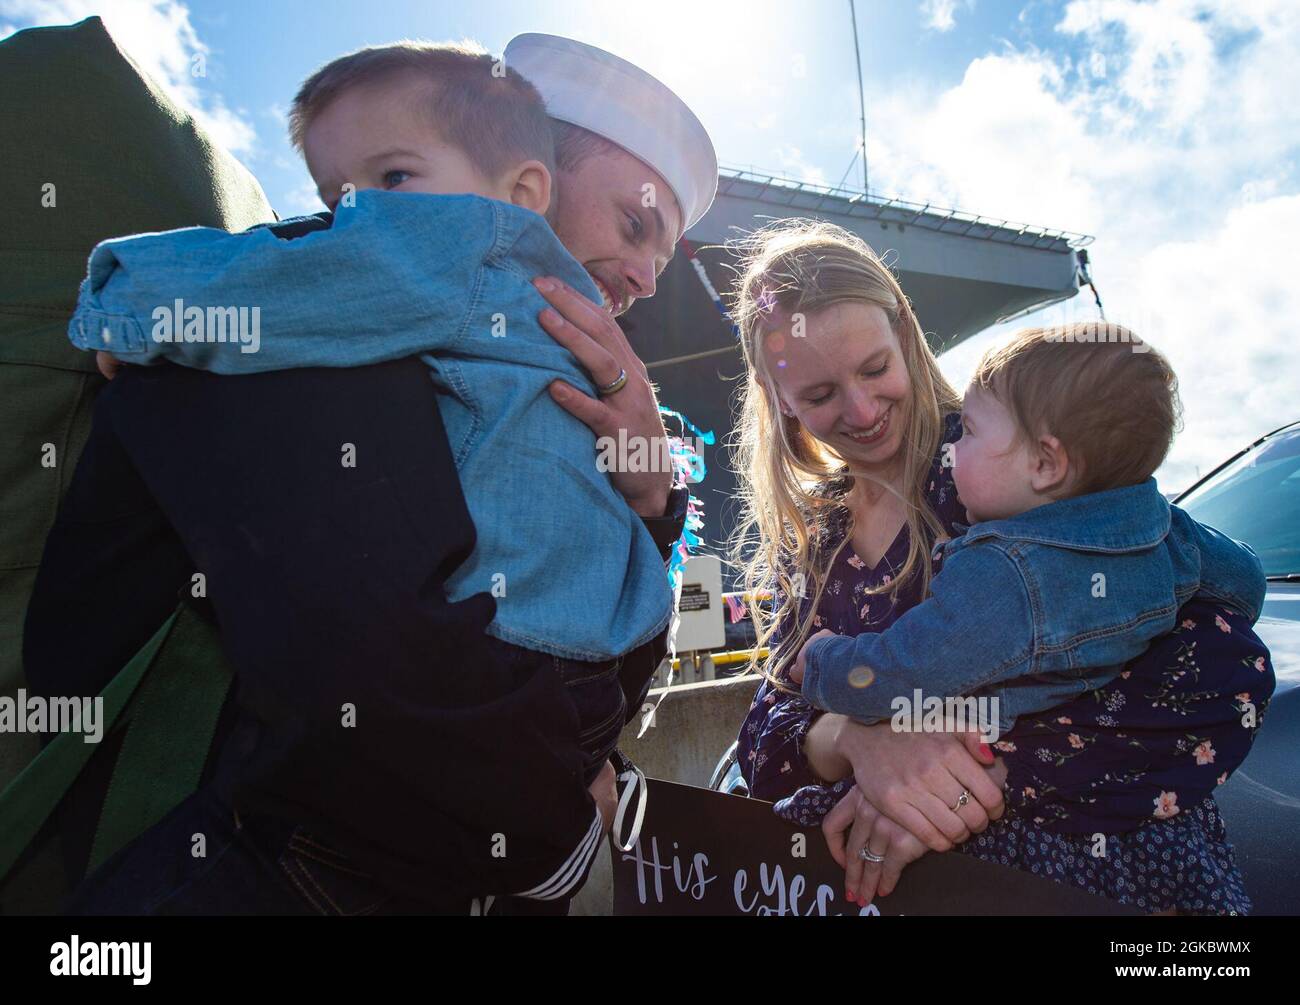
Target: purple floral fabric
771,738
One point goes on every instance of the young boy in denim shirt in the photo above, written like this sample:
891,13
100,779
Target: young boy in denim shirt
416,269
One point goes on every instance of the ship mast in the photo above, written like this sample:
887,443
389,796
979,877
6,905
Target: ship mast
862,101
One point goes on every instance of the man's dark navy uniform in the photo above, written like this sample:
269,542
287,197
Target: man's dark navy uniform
326,582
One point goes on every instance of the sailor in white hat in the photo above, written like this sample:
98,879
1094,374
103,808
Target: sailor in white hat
628,149
635,170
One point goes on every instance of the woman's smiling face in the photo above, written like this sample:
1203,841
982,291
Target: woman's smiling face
841,373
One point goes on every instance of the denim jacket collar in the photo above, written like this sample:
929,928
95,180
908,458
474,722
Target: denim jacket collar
1133,518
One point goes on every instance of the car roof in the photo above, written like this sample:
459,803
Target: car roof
1244,450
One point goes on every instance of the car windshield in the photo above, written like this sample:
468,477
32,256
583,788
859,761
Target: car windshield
1256,499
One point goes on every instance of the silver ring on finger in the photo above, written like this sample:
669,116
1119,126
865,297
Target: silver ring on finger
867,855
962,800
613,386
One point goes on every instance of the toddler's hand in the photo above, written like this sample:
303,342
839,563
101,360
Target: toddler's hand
796,671
108,365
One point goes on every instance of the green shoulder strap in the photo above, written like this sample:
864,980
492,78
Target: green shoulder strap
168,740
169,696
27,802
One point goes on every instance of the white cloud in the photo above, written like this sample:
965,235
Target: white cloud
1220,308
941,14
1174,138
791,161
159,36
1170,53
303,199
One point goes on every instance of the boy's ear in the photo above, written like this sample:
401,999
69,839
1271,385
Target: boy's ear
530,186
1052,471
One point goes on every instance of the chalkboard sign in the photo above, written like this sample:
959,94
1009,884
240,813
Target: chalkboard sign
706,852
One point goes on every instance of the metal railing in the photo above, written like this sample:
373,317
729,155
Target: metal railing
814,197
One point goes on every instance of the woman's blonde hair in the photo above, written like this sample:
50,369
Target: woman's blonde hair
789,477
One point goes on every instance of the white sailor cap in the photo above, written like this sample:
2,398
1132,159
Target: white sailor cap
597,90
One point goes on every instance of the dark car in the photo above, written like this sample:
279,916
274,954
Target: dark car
1254,497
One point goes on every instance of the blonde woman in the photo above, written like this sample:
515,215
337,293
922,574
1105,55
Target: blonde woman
843,421
845,445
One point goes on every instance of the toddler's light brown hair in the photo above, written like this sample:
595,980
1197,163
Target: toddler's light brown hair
1110,398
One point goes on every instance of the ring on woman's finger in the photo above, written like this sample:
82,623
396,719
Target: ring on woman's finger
962,800
867,855
615,385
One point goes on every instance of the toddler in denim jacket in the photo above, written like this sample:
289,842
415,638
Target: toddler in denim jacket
1073,561
1072,565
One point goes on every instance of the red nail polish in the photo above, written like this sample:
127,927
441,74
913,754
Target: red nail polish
849,895
986,750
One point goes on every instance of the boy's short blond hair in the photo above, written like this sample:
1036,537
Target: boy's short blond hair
475,102
1108,397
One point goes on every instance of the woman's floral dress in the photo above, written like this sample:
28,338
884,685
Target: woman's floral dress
1111,792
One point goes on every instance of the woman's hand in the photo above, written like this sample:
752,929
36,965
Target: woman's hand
915,779
594,337
855,824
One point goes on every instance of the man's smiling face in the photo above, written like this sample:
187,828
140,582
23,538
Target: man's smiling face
600,218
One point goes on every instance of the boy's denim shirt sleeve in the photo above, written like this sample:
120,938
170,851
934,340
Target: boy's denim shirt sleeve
396,275
1040,607
503,321
551,524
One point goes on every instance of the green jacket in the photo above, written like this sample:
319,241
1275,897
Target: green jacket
92,149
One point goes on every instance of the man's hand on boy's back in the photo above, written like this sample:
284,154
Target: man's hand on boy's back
605,791
595,339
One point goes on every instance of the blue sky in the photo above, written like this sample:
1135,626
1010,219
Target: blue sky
1167,128
749,69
